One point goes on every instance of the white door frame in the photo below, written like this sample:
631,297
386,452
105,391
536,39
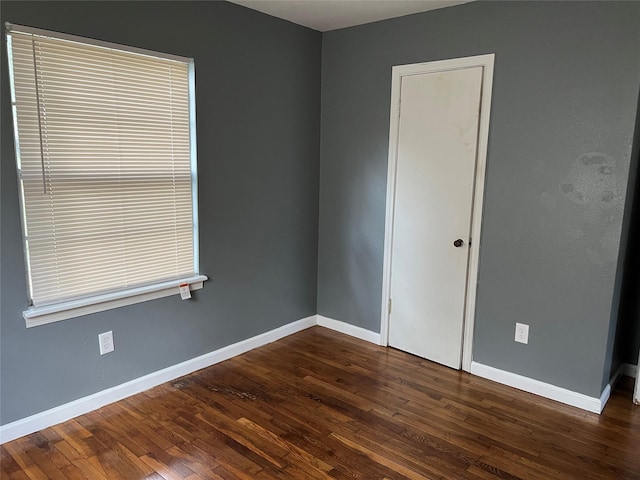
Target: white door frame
485,61
636,390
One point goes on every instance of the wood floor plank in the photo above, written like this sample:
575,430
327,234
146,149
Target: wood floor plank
8,465
76,459
22,458
321,405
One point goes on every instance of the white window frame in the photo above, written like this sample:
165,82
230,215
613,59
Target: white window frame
41,315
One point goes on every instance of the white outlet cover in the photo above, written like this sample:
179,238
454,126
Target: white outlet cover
105,340
522,333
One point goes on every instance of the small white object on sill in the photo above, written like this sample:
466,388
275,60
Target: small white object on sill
185,291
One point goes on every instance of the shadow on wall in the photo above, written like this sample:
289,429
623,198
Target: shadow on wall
365,261
627,346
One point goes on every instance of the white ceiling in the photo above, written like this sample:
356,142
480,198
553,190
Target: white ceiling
326,15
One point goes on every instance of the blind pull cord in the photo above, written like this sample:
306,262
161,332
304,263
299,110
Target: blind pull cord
35,75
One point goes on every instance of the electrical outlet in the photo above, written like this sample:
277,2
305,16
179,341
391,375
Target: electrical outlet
106,342
522,333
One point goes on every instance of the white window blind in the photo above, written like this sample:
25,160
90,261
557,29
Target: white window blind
106,163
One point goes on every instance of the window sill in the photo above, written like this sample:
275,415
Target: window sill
53,313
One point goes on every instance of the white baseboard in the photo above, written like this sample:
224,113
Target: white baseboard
348,329
65,412
616,377
559,394
604,398
629,370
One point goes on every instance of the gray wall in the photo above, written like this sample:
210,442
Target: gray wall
258,110
565,85
566,81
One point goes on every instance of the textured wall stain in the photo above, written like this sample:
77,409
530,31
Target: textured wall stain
592,181
580,210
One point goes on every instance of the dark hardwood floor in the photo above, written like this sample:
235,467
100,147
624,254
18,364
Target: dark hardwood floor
319,404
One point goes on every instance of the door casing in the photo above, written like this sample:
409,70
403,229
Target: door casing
486,62
636,390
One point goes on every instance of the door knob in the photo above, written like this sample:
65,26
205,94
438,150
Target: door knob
458,243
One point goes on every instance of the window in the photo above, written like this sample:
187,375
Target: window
105,151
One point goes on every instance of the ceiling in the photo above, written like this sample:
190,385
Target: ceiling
326,15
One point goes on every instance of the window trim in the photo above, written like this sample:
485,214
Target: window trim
45,314
35,316
9,27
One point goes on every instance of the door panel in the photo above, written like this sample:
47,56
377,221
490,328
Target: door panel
436,157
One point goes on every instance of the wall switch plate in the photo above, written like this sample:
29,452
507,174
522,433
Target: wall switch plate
106,342
522,333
